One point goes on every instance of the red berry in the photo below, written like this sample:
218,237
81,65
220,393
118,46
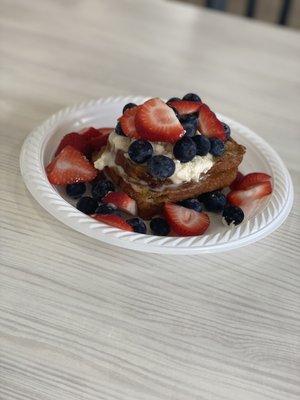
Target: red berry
113,220
242,197
127,122
209,124
156,121
122,201
238,178
184,107
70,166
252,180
185,221
75,140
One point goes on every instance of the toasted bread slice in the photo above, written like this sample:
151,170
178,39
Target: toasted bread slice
151,194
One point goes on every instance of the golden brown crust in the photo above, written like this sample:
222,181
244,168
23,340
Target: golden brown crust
151,194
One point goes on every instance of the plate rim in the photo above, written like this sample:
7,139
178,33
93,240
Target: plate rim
35,179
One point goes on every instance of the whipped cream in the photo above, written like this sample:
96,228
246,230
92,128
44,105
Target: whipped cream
184,172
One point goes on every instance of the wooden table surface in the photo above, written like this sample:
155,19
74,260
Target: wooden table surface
84,320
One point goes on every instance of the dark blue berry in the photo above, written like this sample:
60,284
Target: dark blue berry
191,97
202,145
190,126
140,151
137,224
119,130
227,130
184,149
75,190
194,204
233,214
217,147
215,201
161,167
101,188
173,99
105,209
87,205
128,106
159,226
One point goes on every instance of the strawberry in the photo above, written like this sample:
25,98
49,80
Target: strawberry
127,122
252,180
122,201
156,121
185,221
70,166
75,140
184,107
242,197
113,220
209,124
96,138
238,178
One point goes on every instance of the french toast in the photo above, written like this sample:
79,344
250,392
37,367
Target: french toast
151,194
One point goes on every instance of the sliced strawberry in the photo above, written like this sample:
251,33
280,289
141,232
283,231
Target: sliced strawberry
105,131
209,124
156,121
185,221
89,132
184,107
127,122
122,201
234,184
252,180
242,197
70,166
75,140
113,220
96,138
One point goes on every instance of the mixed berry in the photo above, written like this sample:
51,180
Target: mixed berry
192,129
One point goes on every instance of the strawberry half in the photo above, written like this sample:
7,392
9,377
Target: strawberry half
122,201
242,197
235,183
156,121
185,221
184,107
78,142
113,220
127,122
252,180
96,138
209,124
70,166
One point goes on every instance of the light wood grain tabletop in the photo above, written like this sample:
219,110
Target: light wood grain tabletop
81,320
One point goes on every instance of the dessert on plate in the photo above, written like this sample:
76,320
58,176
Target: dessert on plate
167,162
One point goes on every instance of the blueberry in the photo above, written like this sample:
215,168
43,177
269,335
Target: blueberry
186,118
138,225
227,130
101,188
194,204
119,130
87,205
217,147
215,201
190,126
202,145
191,97
128,106
184,149
75,190
140,151
159,226
233,214
173,99
161,167
105,209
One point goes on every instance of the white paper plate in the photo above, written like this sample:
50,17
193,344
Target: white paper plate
39,147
